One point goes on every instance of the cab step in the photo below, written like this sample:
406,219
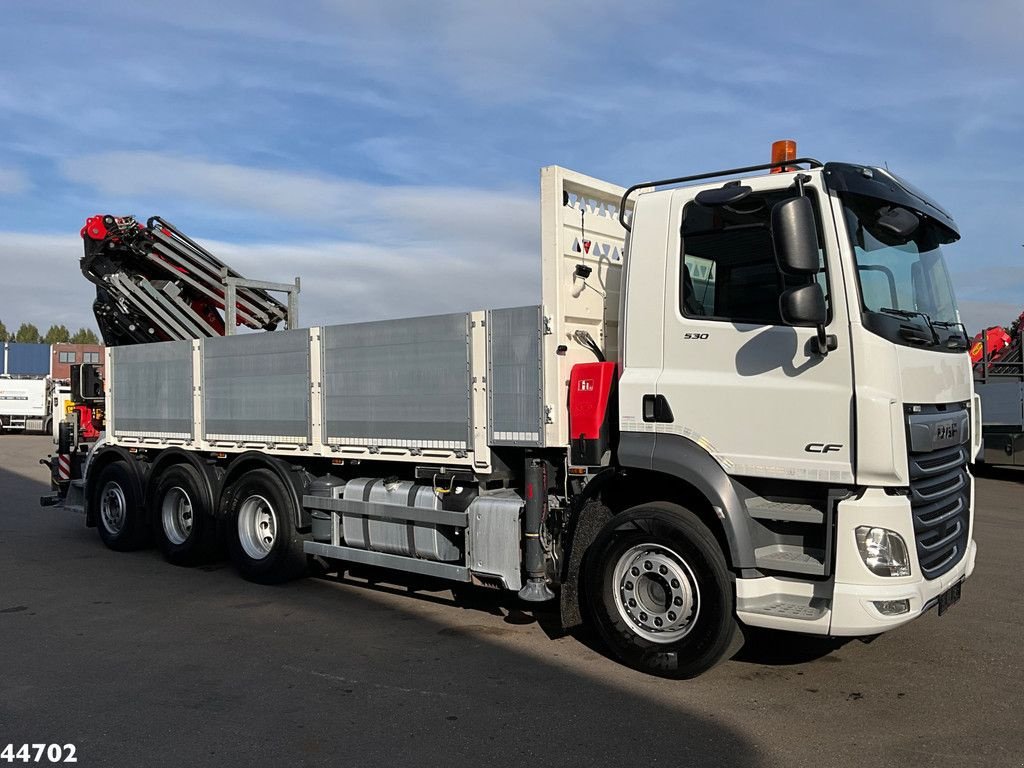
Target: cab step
785,606
790,558
766,509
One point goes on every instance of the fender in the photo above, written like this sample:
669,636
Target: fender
680,457
294,482
588,519
104,456
211,475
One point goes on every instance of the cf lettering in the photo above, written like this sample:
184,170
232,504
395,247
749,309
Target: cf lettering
823,447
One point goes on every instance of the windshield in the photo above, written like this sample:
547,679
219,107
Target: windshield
901,269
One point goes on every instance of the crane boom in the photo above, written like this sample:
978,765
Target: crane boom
154,283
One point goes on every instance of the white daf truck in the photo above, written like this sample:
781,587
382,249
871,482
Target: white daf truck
743,399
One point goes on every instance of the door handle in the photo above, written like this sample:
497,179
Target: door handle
656,409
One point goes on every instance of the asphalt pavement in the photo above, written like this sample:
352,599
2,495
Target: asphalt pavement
140,663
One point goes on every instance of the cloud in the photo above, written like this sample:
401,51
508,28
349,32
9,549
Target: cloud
42,283
13,182
341,281
352,282
381,214
396,251
363,250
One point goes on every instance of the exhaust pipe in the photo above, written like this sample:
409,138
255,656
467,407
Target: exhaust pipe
536,589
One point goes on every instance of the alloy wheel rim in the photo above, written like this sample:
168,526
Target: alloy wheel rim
176,514
113,507
656,593
257,527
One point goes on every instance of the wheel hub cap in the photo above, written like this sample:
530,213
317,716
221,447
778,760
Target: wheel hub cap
257,527
656,593
176,515
113,507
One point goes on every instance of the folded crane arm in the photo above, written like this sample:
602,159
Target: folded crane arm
154,283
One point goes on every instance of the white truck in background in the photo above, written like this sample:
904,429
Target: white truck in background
744,399
25,404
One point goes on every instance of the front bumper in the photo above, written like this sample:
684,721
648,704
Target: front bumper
846,601
856,589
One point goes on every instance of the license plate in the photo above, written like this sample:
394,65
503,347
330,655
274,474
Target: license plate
949,598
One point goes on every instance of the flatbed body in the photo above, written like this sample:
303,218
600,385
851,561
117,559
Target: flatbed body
445,389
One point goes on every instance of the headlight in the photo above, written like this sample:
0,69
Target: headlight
884,552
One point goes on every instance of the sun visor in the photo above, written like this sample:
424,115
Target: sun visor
883,184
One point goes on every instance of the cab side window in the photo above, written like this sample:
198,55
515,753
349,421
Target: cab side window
728,270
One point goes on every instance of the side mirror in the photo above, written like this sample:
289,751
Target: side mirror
727,195
803,307
795,237
86,383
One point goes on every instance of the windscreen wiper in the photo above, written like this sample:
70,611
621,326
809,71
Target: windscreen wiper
960,342
910,314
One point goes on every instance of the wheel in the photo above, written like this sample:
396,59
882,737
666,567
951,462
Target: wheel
262,540
119,514
659,594
182,516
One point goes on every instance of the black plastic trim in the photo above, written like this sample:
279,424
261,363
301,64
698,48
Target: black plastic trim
682,458
808,161
245,461
878,182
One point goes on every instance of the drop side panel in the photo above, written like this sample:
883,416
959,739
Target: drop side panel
150,390
256,387
398,383
515,397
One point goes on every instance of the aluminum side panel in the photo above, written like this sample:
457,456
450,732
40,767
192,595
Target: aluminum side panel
257,386
151,388
398,382
515,394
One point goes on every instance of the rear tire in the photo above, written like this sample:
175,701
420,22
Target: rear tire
262,540
181,514
116,499
659,593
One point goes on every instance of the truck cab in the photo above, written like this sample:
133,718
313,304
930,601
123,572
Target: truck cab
825,409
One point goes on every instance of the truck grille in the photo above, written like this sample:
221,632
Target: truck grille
940,495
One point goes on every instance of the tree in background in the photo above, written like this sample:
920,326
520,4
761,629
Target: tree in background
58,334
84,336
28,334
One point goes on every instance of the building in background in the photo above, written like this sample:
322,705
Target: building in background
63,356
25,359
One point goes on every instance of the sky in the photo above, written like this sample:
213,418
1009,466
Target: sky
388,152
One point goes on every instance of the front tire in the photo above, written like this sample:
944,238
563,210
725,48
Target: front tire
262,540
116,497
182,516
659,593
